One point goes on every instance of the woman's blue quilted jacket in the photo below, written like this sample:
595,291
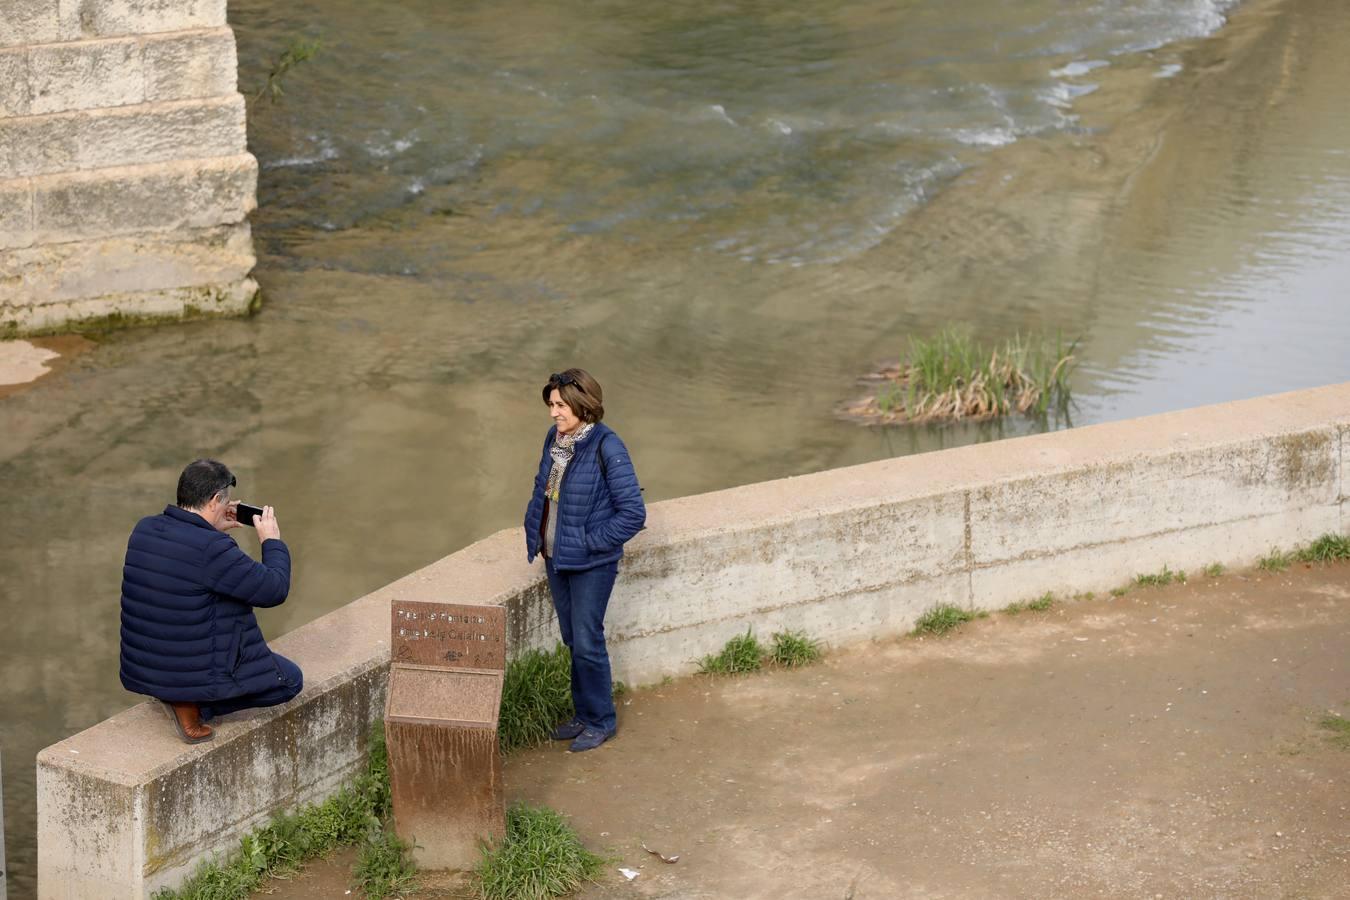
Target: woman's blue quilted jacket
598,510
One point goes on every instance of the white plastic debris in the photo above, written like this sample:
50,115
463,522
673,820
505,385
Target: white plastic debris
630,874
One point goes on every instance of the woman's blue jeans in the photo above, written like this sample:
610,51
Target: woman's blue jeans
580,599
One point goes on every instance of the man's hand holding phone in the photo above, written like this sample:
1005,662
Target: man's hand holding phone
263,518
266,524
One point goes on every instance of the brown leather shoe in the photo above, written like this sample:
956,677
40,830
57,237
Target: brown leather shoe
187,718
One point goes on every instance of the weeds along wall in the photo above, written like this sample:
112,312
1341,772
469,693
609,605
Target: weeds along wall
124,179
845,555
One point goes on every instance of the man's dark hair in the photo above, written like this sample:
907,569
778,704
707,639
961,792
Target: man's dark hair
202,480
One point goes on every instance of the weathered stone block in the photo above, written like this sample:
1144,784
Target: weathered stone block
159,197
644,656
14,83
86,861
29,22
119,117
131,135
1128,498
113,18
190,64
85,75
264,769
57,273
171,304
745,571
1233,543
16,213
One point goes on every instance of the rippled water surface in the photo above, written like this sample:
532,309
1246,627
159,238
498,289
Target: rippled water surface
727,211
799,134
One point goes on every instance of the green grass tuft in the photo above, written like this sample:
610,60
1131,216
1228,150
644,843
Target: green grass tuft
742,653
536,695
1327,548
1276,561
1119,591
383,866
540,857
951,376
1339,726
1214,570
943,618
1158,579
1040,604
793,648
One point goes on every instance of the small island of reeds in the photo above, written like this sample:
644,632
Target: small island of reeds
952,377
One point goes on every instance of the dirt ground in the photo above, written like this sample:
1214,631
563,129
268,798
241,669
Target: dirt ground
1162,744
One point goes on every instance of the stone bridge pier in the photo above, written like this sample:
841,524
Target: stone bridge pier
124,178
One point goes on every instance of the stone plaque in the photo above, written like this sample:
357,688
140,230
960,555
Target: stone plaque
448,635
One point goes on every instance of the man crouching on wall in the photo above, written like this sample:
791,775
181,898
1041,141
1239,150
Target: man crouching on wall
189,637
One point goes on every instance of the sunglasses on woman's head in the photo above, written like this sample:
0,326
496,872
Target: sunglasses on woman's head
561,379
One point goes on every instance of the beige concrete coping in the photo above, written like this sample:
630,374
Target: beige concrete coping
848,554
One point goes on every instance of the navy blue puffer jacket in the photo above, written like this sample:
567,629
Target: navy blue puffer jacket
597,514
188,592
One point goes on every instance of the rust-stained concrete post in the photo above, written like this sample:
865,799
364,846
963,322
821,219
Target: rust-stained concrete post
445,691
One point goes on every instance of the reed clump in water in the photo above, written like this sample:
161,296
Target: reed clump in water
952,377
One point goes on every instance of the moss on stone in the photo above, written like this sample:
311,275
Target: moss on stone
206,302
1303,460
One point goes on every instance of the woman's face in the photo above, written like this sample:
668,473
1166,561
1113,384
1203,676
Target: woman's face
562,414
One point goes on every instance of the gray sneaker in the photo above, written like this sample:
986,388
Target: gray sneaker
589,739
568,730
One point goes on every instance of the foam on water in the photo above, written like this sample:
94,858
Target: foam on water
838,107
1078,68
985,137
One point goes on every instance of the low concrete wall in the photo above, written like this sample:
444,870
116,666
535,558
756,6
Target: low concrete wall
847,555
124,180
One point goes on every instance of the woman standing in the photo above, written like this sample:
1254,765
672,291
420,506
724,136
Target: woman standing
586,505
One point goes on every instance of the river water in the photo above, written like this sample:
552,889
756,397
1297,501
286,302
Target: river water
727,211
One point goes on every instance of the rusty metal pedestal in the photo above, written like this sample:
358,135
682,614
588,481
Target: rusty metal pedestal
445,767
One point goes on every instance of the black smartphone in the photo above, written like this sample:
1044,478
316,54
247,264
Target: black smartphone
246,513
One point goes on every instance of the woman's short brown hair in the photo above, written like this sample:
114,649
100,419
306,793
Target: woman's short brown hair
579,391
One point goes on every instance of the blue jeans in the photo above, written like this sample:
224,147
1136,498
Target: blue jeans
289,682
580,599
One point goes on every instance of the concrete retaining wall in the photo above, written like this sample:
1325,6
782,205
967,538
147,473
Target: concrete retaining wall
124,180
847,555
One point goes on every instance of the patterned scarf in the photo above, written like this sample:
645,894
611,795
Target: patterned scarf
564,446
